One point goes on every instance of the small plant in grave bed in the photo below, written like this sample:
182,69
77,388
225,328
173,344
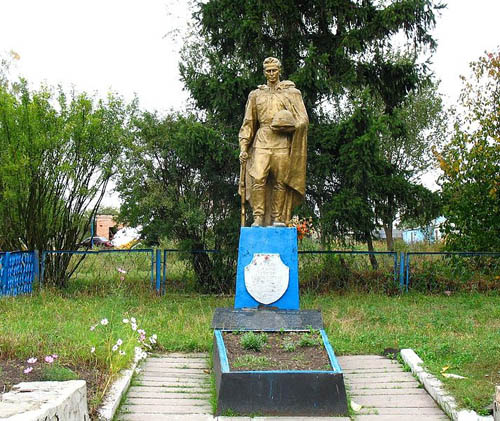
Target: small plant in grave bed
252,362
311,338
289,346
253,341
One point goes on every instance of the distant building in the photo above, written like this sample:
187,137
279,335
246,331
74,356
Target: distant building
431,233
380,234
106,226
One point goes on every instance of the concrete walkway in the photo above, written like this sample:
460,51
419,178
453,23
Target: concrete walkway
176,387
387,392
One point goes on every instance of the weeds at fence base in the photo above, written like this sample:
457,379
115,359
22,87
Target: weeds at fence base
452,273
330,272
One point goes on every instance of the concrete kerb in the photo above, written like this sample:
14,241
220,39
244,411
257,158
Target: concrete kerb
436,389
496,404
118,389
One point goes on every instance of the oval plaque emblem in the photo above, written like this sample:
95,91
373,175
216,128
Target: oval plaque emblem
266,277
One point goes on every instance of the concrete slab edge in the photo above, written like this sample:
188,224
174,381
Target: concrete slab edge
435,388
120,386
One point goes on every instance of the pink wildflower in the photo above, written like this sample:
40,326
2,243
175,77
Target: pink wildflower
28,370
32,360
49,359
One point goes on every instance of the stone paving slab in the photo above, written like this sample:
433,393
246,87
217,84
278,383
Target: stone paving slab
406,391
166,417
162,375
174,382
167,408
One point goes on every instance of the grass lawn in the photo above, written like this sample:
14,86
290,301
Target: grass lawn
460,331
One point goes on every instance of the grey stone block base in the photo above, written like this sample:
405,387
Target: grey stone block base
40,401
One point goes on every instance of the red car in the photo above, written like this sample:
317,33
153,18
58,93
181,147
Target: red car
97,242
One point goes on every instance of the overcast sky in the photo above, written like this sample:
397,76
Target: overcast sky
127,46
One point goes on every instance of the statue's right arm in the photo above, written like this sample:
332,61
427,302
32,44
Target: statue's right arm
249,126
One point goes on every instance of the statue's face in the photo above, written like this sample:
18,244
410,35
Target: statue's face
272,73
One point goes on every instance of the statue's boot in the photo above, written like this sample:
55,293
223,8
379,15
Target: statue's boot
277,208
258,205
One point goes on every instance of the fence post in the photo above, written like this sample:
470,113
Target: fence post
152,267
158,271
164,275
5,274
42,269
395,266
36,269
401,270
407,270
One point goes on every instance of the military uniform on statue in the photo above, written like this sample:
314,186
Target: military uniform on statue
273,137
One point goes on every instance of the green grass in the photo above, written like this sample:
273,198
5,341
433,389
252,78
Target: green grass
253,341
461,331
310,339
252,362
57,373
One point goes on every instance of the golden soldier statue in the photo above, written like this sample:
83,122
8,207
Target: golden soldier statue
273,145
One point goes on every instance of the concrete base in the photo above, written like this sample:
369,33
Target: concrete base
284,393
282,241
45,401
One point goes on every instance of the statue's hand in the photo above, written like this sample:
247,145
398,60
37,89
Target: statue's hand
243,156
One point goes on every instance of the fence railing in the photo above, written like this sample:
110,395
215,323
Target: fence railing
449,270
105,264
18,271
410,270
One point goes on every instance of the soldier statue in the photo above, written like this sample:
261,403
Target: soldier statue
273,149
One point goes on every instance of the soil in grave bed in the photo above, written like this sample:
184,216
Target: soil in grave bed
278,351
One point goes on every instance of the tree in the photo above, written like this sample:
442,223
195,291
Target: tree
57,154
331,50
415,122
179,181
470,181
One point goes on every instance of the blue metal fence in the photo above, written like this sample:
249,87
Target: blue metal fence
391,254
18,270
161,265
456,267
75,269
397,269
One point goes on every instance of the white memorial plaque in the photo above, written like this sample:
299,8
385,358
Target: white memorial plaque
266,277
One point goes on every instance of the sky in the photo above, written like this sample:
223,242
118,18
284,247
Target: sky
131,47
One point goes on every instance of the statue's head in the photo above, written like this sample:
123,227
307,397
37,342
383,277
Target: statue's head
272,69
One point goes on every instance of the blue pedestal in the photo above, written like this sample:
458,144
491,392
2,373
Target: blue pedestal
282,241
